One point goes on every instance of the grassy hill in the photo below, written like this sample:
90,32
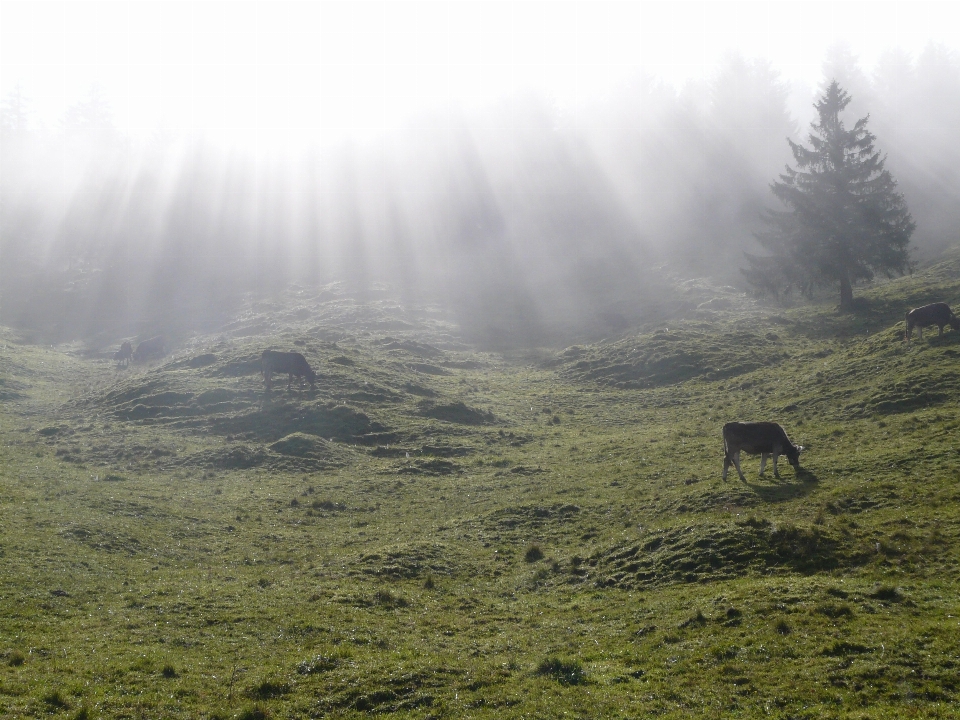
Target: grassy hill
437,531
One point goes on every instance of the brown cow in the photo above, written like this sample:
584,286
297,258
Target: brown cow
123,355
757,438
938,314
292,363
149,348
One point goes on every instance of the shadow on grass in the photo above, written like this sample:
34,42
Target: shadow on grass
949,337
783,491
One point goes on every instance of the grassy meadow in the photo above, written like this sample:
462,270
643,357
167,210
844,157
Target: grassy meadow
438,531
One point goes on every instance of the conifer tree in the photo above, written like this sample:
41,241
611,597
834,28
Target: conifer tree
845,220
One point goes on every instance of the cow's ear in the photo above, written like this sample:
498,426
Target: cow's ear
799,449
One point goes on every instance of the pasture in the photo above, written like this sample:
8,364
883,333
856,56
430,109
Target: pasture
438,531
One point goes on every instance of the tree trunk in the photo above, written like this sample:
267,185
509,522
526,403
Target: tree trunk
846,293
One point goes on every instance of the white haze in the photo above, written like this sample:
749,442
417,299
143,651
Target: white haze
534,167
275,76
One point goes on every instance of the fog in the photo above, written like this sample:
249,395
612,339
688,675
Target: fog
528,216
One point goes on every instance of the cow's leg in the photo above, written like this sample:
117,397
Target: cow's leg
726,464
775,473
763,463
920,331
736,463
939,330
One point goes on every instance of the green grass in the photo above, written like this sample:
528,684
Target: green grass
442,532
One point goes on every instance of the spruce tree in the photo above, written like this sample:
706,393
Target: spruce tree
845,220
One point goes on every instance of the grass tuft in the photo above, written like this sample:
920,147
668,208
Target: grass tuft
565,672
887,593
386,599
267,690
16,658
317,664
55,700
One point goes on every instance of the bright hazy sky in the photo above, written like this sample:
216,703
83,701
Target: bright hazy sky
265,74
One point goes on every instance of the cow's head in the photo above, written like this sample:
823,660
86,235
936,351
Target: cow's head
793,454
955,322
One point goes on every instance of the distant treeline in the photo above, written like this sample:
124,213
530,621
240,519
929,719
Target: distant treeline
531,225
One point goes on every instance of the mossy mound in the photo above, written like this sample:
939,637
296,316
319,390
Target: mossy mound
713,552
914,391
410,560
304,446
278,420
532,516
674,355
240,457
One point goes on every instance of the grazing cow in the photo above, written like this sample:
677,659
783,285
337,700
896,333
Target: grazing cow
123,355
149,348
292,363
938,314
757,438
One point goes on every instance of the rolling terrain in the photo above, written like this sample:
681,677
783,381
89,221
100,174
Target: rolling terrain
438,531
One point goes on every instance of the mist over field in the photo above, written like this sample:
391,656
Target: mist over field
528,220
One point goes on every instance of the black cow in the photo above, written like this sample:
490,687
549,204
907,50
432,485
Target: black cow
292,363
938,314
149,348
757,438
123,355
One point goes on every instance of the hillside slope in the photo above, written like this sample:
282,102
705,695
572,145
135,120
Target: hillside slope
436,531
